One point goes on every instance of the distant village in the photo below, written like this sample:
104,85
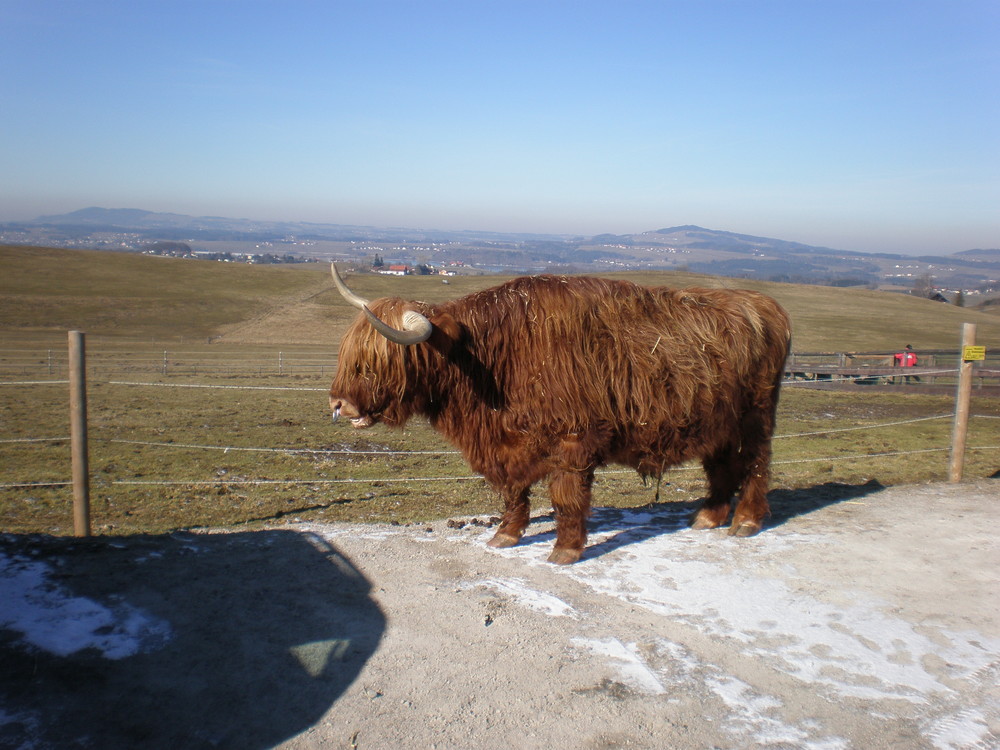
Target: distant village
964,278
183,250
379,265
421,269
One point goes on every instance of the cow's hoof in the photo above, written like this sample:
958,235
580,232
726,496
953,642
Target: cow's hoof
501,540
701,524
744,528
564,556
706,519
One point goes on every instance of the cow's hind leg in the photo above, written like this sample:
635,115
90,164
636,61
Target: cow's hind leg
748,518
571,495
724,478
755,464
517,514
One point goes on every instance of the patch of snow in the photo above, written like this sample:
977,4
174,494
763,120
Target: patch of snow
965,729
20,731
854,650
729,589
627,660
518,590
750,716
50,618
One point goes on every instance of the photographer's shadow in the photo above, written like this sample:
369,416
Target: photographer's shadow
200,640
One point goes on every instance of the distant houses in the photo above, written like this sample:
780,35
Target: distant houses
183,250
395,270
405,270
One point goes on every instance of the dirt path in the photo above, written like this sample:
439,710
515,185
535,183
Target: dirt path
294,319
861,617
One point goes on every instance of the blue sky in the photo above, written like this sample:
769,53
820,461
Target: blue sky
870,126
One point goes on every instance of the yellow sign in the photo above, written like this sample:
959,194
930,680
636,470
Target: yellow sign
973,353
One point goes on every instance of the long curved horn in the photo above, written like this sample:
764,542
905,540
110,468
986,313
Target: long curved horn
359,302
416,327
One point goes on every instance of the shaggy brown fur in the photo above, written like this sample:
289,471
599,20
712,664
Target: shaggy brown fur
553,376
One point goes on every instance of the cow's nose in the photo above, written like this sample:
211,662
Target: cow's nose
335,407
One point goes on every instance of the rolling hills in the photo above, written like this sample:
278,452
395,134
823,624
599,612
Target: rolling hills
127,297
687,247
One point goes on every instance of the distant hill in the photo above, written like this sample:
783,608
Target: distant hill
685,247
138,219
124,217
690,235
132,297
987,255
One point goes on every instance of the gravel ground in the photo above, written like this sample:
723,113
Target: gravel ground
861,617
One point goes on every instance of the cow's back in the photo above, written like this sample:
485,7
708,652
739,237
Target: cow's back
571,351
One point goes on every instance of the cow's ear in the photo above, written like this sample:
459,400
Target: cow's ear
446,333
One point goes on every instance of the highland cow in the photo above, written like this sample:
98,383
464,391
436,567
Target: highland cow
554,376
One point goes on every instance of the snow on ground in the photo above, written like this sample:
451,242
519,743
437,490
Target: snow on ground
848,644
835,646
49,618
898,622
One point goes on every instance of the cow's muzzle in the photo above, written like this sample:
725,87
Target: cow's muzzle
341,408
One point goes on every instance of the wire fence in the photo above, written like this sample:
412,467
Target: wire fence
27,363
287,368
320,452
227,361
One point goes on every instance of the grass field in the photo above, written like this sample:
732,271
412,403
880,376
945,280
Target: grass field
127,300
165,457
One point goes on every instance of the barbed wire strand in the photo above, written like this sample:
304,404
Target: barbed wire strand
312,451
36,440
868,376
833,379
882,454
219,387
353,452
350,480
864,427
403,480
40,484
35,382
348,451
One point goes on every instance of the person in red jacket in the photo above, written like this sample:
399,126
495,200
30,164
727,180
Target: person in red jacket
906,358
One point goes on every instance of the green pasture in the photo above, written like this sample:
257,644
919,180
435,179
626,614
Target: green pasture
166,457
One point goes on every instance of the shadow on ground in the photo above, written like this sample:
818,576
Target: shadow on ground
789,504
241,640
633,525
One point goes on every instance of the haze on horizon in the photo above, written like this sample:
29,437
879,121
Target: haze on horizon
865,126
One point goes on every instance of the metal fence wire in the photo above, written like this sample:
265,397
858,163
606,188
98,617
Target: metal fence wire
51,368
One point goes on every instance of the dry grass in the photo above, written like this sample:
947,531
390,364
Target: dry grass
125,299
142,488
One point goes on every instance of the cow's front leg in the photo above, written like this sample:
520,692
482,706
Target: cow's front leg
516,515
570,492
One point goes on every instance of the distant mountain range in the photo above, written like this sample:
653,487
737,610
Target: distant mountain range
687,247
141,220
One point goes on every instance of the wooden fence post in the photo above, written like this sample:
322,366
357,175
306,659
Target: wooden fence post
962,399
78,433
